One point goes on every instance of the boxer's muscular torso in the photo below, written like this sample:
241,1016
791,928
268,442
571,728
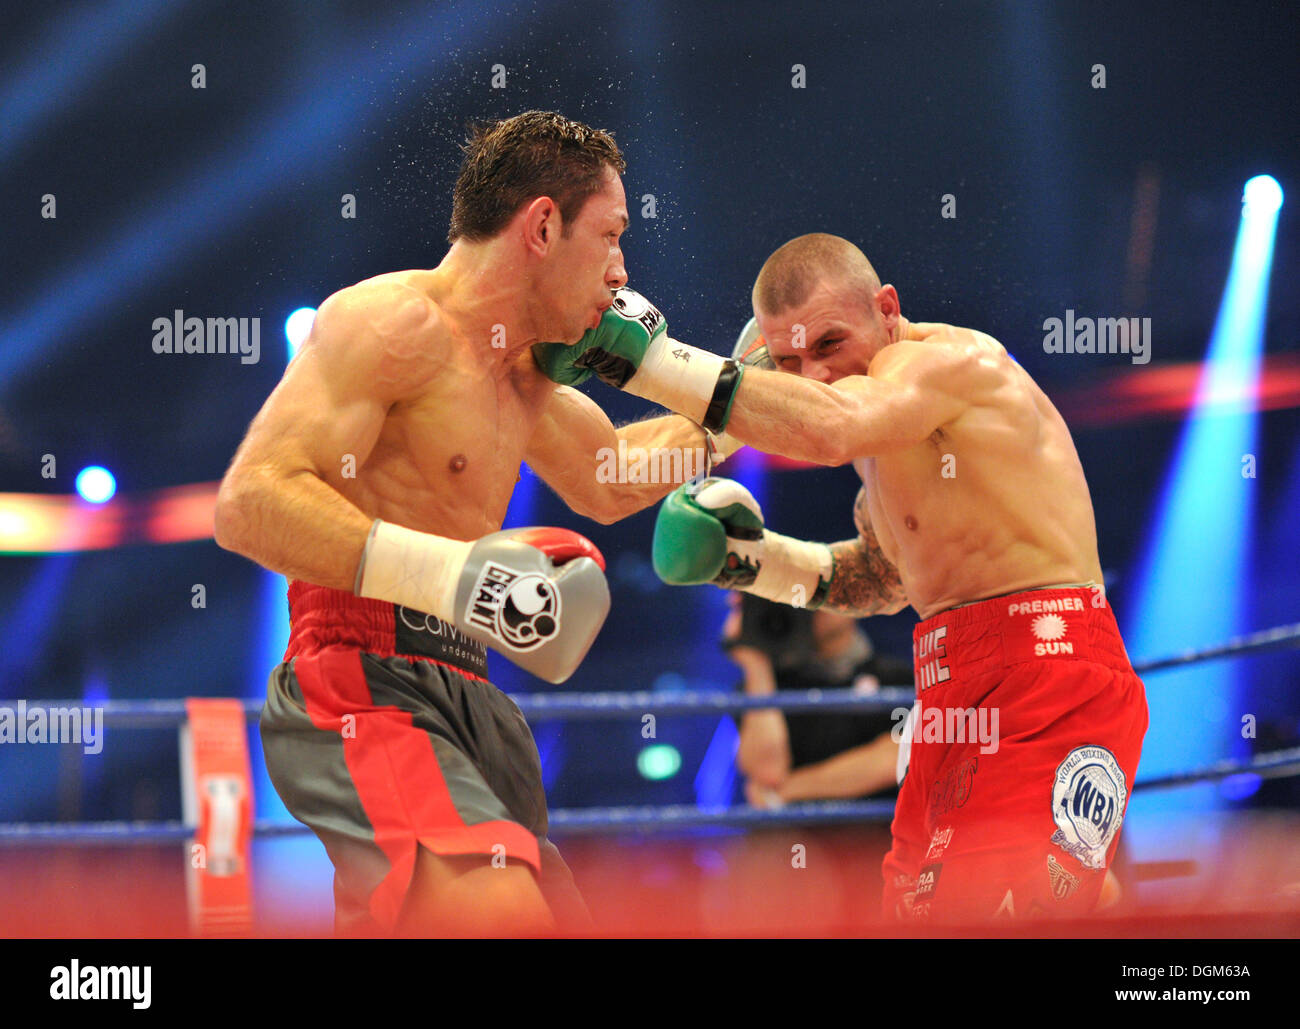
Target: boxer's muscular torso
1013,510
447,457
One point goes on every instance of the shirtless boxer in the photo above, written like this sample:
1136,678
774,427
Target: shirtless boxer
376,477
974,510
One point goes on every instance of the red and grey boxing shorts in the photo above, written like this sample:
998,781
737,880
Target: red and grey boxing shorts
1024,741
383,734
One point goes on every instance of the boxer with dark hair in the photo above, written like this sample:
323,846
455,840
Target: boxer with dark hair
377,476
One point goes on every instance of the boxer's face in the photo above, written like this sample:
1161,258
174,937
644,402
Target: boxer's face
588,260
833,334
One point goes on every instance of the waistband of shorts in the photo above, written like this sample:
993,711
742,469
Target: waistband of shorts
1066,623
321,617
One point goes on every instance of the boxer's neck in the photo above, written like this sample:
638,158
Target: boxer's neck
482,288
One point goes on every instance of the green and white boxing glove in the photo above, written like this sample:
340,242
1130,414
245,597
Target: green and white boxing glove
630,349
712,531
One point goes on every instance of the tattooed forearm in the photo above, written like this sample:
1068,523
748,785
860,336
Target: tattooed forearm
864,582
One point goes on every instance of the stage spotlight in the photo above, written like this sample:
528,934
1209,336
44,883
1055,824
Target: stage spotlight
96,485
659,761
1207,507
297,327
1262,194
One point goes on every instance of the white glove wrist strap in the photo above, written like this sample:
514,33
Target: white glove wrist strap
415,569
677,377
792,571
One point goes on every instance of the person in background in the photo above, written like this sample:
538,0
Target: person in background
810,755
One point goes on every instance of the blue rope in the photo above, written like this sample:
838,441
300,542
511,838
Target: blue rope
542,706
162,714
581,821
590,821
1252,643
1272,765
577,821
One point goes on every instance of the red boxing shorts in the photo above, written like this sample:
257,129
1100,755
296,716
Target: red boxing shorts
1025,738
382,733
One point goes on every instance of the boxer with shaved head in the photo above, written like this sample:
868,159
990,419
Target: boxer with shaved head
974,510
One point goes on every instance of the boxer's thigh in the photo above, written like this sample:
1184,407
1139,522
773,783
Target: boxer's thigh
909,843
1028,828
379,757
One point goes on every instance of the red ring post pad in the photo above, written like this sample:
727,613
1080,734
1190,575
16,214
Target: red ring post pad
217,792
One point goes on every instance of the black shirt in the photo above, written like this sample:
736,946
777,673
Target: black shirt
815,737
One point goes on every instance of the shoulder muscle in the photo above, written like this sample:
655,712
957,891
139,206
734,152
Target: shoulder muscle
958,366
385,333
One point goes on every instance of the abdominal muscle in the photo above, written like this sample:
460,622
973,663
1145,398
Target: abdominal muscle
992,504
447,462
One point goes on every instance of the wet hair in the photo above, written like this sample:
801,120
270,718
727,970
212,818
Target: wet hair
511,162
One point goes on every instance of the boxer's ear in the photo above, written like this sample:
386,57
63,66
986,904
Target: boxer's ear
886,301
539,218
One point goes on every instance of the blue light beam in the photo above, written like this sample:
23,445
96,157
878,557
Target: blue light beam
1192,579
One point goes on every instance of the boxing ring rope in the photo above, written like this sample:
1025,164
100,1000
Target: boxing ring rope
597,820
582,821
540,707
1252,643
164,714
579,821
